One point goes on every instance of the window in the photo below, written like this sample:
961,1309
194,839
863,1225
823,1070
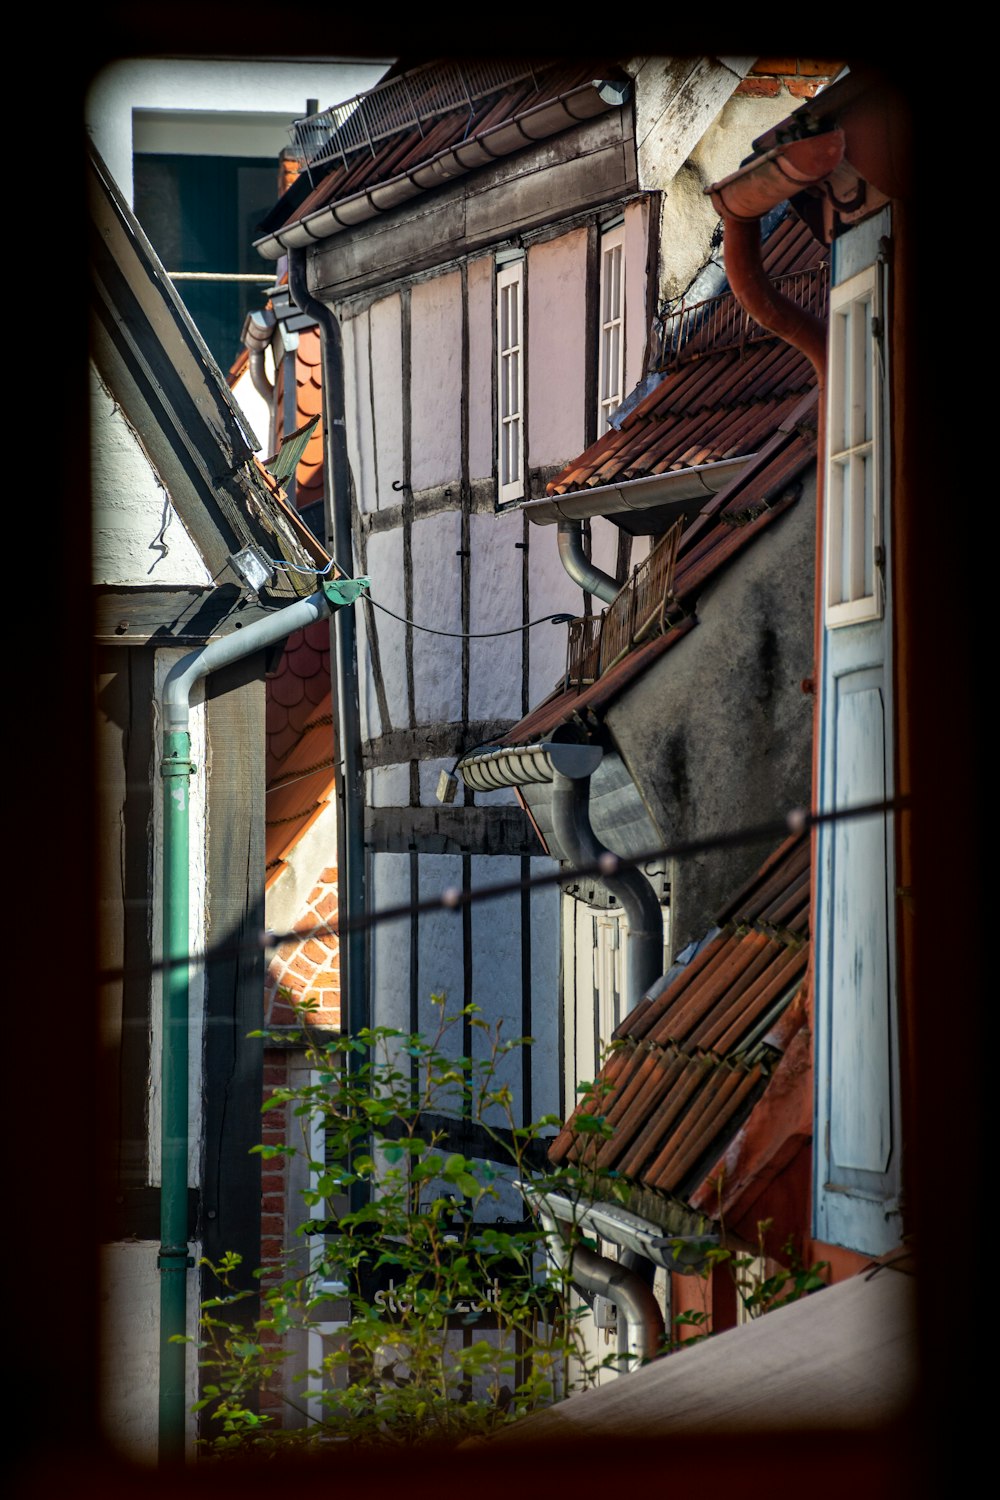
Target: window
510,381
611,355
853,501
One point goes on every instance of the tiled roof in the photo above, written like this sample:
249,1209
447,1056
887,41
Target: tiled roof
688,1065
299,720
448,136
718,403
300,783
726,524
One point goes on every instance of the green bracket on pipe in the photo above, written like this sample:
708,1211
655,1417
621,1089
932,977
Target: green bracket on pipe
341,591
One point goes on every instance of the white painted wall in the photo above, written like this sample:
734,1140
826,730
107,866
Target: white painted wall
138,538
211,107
436,380
129,1357
557,333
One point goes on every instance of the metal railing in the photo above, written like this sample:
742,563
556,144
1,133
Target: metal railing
721,323
402,103
597,642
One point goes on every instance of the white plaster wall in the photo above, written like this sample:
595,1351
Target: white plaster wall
197,840
358,410
315,851
637,315
389,786
440,967
385,569
386,340
129,1355
437,601
689,217
495,604
550,591
390,943
245,106
256,411
436,380
137,535
557,328
603,546
482,447
496,972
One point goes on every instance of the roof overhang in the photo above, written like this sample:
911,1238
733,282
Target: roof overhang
549,118
678,487
684,1253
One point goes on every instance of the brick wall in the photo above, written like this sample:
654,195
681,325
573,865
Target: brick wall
799,77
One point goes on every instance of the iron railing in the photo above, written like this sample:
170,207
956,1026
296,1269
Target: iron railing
402,103
597,642
721,323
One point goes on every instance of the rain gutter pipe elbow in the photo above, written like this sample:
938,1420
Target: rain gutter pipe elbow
592,580
643,1327
581,846
742,199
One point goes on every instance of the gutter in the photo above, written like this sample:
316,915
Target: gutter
549,118
569,768
176,769
700,481
641,1327
351,881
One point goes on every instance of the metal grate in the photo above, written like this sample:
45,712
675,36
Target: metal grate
597,643
721,323
402,103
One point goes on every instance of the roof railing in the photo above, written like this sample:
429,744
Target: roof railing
402,103
638,611
721,323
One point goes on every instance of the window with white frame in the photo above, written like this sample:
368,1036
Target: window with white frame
853,582
510,381
611,354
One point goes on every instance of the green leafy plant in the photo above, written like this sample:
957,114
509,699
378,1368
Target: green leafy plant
438,1319
762,1283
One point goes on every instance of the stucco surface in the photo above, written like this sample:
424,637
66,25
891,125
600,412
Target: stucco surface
556,338
138,537
479,389
385,568
436,380
717,733
495,604
385,332
437,602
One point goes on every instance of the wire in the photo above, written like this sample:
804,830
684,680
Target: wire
469,635
797,821
458,635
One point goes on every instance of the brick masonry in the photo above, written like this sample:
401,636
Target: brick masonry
798,77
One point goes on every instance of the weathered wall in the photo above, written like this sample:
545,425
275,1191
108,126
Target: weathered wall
717,734
137,535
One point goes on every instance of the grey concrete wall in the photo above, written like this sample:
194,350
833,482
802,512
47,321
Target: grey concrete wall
717,734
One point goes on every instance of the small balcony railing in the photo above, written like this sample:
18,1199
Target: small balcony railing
721,323
405,102
638,611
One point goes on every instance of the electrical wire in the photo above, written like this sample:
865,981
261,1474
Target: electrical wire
457,635
469,635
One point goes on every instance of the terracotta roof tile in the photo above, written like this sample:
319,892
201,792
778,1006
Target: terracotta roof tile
723,400
690,1063
410,147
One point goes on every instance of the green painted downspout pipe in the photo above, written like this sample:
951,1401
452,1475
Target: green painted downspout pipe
176,770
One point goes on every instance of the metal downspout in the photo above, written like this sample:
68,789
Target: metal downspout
592,580
580,844
742,199
176,769
637,1306
336,483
